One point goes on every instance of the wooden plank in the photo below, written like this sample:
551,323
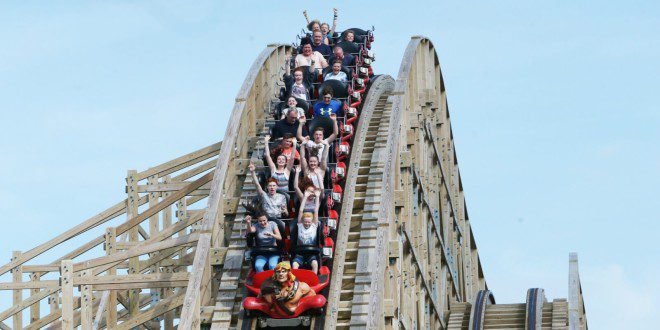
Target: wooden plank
217,256
17,295
131,278
67,294
148,248
190,312
573,292
383,85
86,297
92,222
132,212
179,226
17,286
109,299
160,308
35,308
40,268
164,203
31,301
159,170
168,318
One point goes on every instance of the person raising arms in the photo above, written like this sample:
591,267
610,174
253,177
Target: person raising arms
281,169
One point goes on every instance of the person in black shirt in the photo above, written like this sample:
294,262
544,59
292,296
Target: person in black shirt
287,125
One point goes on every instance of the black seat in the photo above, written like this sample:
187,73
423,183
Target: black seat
324,122
340,89
359,34
349,47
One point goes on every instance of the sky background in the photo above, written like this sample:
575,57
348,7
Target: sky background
553,108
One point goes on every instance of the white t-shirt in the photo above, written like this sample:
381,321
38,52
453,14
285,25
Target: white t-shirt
341,76
307,236
319,60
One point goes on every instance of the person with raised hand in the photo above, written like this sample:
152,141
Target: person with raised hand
308,223
281,169
273,203
267,234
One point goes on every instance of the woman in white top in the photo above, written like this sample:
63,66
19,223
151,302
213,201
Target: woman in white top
336,73
308,223
313,168
311,58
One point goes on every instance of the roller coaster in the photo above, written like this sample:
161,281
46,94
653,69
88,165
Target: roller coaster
394,245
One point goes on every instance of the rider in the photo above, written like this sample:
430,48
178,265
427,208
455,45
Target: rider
328,105
273,203
336,73
267,235
283,291
308,224
281,169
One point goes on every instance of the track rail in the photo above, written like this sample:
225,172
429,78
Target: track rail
355,256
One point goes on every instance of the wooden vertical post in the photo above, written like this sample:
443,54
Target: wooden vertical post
111,306
132,203
17,296
66,274
86,309
166,292
54,302
573,293
153,230
34,309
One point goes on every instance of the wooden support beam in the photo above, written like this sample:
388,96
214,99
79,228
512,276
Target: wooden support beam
92,222
31,301
17,295
181,162
34,309
67,294
86,297
217,256
424,277
158,309
18,286
131,278
449,259
164,203
144,249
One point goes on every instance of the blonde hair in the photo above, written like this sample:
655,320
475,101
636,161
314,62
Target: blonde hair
308,215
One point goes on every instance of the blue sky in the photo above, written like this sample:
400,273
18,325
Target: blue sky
553,110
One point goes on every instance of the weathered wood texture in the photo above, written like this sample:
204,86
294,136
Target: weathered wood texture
254,96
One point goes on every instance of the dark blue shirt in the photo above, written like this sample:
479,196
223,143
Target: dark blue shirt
348,60
324,49
322,109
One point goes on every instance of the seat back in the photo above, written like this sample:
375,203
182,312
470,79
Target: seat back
340,89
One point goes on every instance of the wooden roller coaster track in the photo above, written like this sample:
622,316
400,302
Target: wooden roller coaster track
171,255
